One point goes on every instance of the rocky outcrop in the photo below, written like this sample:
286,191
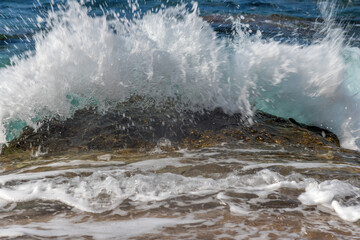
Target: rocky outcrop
132,127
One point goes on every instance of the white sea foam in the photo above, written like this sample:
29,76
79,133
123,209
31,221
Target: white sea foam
74,163
336,195
298,165
104,189
174,54
156,164
66,228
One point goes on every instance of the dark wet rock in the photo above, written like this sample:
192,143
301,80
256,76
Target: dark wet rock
280,204
320,131
246,196
130,126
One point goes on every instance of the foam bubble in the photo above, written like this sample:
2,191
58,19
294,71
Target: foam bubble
330,193
348,213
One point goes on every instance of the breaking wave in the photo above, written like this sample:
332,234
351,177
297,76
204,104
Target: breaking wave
173,55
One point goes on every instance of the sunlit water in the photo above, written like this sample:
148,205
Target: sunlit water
303,63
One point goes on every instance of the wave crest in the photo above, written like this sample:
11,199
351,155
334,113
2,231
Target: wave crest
172,54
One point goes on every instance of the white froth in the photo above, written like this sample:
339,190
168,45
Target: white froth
105,157
297,165
87,193
156,164
66,228
106,189
330,193
350,213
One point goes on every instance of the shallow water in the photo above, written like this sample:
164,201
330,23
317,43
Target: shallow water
224,192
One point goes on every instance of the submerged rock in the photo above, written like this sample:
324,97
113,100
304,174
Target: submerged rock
145,128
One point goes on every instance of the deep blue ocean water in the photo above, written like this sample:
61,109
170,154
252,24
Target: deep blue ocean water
18,17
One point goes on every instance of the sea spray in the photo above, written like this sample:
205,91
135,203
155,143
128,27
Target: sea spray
173,55
162,56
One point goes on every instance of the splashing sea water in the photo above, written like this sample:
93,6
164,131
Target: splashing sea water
173,54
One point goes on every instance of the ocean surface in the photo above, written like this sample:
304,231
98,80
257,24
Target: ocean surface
290,58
